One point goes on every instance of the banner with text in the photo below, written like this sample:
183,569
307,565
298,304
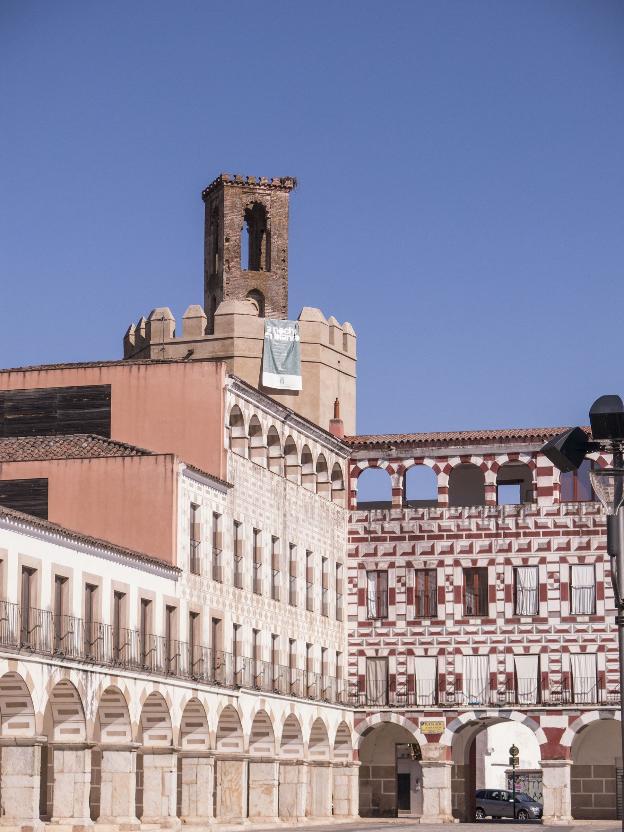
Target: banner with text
281,360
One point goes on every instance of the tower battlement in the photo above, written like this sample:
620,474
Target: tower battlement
287,183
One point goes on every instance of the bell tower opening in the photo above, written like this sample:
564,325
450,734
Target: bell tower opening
246,243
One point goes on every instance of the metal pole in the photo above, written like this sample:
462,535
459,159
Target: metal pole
619,578
513,784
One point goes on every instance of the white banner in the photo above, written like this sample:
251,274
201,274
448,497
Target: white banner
281,360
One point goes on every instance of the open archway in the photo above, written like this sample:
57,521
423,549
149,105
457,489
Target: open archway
262,736
112,728
596,762
238,435
514,484
230,732
257,448
390,771
274,449
374,489
291,460
323,484
308,476
420,487
17,714
466,485
291,745
337,485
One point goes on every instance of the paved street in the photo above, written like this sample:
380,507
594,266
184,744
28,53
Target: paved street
405,824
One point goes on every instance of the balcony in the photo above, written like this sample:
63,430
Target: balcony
521,692
93,643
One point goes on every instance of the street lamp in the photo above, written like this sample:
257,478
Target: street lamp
567,451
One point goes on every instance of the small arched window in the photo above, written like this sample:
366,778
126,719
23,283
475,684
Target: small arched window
255,239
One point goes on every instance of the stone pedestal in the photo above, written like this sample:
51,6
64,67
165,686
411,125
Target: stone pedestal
436,791
231,788
197,788
72,784
19,783
556,791
292,789
345,792
263,789
160,783
319,790
118,787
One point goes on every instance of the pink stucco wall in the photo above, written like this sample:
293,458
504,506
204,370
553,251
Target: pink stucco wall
168,407
130,501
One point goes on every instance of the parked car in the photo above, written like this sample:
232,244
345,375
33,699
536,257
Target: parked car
499,803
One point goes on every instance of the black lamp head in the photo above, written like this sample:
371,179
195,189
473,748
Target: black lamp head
606,417
567,450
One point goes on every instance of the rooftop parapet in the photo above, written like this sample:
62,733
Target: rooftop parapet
282,183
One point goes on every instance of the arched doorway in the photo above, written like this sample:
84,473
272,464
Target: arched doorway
480,754
390,772
596,763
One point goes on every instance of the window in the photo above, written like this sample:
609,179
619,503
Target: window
275,661
377,681
257,561
119,603
195,667
309,581
377,594
527,678
195,540
476,679
584,677
216,643
339,610
476,591
582,589
171,647
91,627
324,586
325,692
236,654
425,680
145,636
256,655
276,577
425,593
296,678
576,485
292,574
217,546
238,554
526,590
26,604
60,613
310,675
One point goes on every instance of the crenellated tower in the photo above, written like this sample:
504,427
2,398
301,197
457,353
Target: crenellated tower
246,243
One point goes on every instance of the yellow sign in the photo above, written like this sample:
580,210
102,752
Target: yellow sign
432,726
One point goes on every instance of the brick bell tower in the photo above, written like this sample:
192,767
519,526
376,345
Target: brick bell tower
246,243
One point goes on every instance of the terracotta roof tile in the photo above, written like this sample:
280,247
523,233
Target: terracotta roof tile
66,446
49,526
462,437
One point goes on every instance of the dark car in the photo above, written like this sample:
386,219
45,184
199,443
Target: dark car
499,803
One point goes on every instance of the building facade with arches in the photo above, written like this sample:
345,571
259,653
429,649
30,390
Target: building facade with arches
481,596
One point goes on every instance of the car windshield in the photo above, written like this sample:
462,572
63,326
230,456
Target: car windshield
523,797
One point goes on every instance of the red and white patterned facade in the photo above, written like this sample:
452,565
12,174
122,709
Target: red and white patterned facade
446,539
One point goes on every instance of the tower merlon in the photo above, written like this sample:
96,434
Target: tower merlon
284,183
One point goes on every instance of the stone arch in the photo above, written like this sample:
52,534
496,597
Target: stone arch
343,745
155,727
291,742
318,744
262,735
238,434
582,722
337,484
377,490
229,731
256,297
291,460
112,720
64,720
470,717
17,713
194,731
514,475
371,722
257,448
323,483
308,476
419,484
466,485
595,753
274,451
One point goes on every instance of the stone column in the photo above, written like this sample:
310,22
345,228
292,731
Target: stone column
20,775
263,789
160,787
72,784
118,787
436,791
231,787
319,790
557,794
292,789
345,790
197,787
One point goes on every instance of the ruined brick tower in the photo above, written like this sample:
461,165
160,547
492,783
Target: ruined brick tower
246,244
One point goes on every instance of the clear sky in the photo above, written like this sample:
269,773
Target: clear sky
461,169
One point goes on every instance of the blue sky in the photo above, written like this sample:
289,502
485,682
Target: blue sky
461,169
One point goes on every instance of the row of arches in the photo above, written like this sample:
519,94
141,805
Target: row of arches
97,760
419,485
250,441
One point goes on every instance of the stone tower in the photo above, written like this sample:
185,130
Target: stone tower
246,244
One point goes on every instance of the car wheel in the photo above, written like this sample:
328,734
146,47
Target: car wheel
479,814
523,814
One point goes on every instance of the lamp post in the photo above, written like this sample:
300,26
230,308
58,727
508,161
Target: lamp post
567,451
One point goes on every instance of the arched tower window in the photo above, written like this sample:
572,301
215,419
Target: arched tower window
214,240
256,296
256,240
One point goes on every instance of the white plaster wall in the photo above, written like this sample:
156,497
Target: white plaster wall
493,746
